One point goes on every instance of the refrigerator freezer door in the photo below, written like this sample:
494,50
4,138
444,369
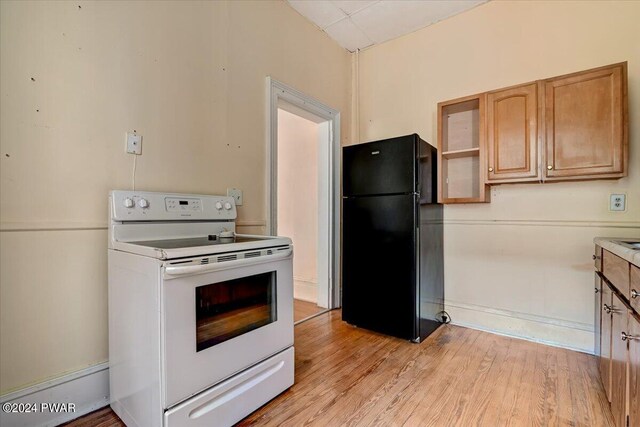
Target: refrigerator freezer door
379,264
381,167
428,166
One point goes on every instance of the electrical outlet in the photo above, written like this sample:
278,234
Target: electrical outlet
134,143
236,194
617,202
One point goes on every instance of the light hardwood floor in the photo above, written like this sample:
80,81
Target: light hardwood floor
104,417
347,376
304,309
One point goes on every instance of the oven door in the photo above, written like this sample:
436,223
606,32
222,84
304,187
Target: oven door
222,318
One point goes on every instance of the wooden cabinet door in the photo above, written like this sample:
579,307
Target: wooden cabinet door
634,372
512,134
634,288
619,362
597,258
585,119
598,314
605,340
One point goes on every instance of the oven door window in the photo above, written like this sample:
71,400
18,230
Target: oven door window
228,309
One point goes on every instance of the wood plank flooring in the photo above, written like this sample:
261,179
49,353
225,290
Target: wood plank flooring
347,376
303,309
104,417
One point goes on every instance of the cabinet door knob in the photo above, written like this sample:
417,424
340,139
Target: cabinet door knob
549,167
634,293
490,169
606,308
626,337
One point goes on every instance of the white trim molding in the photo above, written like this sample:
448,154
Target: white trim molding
86,389
9,226
251,223
555,332
305,289
545,223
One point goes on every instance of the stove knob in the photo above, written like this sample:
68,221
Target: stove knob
218,205
128,203
143,203
227,206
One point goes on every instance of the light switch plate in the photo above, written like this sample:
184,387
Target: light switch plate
134,143
236,194
618,202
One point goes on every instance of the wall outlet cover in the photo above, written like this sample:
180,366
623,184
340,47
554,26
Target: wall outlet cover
134,143
618,202
236,194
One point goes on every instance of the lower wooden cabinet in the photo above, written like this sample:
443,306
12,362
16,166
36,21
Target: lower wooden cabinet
634,288
619,358
618,381
598,315
634,371
617,338
605,340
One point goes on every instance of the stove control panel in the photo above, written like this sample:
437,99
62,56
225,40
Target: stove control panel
176,204
148,206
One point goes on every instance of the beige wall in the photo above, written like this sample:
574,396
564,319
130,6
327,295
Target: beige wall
188,76
522,264
298,197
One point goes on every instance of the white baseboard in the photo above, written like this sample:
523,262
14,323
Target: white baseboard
305,290
87,389
555,332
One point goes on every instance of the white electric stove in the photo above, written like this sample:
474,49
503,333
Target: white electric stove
200,318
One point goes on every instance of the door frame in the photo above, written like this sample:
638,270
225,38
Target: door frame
277,94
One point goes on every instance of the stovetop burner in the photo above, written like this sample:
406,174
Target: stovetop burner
210,240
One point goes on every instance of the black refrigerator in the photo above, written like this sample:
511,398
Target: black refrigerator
392,259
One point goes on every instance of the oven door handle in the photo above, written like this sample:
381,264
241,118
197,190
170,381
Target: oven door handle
185,270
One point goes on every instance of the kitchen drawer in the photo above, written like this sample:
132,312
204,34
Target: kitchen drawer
230,401
597,258
634,288
616,270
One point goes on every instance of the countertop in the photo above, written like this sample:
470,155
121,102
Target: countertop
611,244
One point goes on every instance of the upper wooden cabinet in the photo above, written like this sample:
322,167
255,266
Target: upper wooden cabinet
586,124
512,134
461,136
572,127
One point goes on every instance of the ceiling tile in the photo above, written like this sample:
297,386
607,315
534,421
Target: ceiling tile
388,19
320,12
348,35
352,6
356,24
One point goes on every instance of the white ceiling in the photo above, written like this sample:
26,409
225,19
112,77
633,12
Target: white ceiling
356,24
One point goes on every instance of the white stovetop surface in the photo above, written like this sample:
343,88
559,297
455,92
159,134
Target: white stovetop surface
253,242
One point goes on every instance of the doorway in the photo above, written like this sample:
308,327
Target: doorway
299,176
304,193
